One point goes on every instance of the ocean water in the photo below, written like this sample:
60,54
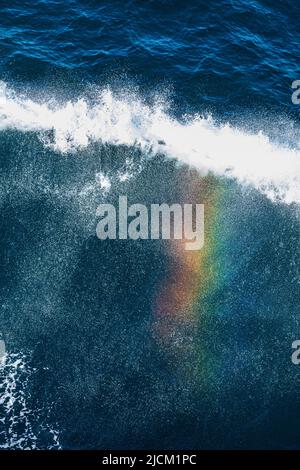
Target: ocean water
141,344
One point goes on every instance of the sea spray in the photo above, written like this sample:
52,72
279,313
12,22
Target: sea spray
223,150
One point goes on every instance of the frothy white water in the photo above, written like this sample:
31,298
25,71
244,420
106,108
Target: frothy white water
20,425
223,150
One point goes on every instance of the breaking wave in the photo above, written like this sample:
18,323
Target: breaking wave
250,158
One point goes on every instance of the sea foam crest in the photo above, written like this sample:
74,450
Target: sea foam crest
220,149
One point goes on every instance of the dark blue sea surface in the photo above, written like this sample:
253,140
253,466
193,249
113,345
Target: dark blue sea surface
213,56
150,100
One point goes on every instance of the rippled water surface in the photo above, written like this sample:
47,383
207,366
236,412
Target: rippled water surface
142,344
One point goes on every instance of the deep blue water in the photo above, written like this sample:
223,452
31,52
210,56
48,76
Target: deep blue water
75,315
233,55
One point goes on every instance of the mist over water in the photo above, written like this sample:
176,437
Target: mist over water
139,344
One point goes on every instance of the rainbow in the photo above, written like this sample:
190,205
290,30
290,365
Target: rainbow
179,308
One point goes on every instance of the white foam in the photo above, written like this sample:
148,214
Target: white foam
20,425
223,150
